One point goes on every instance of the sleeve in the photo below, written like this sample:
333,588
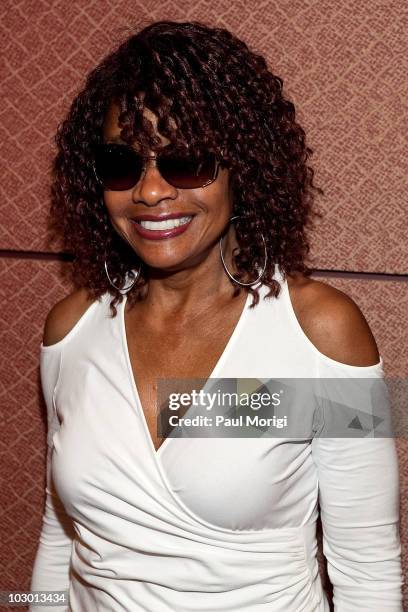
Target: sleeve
357,468
52,561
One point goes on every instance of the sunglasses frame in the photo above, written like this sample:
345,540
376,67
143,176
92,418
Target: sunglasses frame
217,165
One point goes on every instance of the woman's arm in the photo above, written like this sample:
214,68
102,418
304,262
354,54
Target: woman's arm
359,504
358,473
52,561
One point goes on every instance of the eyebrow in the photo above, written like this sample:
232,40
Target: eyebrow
117,139
167,148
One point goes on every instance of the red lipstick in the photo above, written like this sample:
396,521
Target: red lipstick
160,234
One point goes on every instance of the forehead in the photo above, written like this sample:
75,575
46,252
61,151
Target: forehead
111,129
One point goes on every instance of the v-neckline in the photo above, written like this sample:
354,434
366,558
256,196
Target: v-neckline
214,374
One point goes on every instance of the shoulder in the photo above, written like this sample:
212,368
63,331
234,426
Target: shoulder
64,315
332,321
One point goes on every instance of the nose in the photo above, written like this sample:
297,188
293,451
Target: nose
151,187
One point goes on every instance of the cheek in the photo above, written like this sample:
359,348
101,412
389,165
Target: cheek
216,197
116,210
115,205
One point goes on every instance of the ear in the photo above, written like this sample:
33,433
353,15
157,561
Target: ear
222,155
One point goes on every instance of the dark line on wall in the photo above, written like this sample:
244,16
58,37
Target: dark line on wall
36,255
316,271
360,275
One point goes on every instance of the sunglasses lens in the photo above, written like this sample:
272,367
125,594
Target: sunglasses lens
187,172
118,167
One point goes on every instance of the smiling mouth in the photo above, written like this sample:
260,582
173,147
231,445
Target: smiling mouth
163,225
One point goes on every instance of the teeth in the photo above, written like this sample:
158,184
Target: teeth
163,225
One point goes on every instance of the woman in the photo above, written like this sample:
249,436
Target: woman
203,249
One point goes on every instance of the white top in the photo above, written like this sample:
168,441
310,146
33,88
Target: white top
211,524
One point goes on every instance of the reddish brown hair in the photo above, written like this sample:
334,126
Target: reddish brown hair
221,96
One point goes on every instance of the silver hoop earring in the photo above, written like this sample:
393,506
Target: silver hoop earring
124,290
227,271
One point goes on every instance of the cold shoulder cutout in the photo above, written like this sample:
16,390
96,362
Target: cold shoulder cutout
226,524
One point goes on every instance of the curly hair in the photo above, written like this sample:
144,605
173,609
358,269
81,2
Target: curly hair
222,97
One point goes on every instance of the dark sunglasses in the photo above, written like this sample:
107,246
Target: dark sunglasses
119,167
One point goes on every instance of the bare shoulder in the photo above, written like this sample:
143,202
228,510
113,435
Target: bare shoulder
64,315
332,321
